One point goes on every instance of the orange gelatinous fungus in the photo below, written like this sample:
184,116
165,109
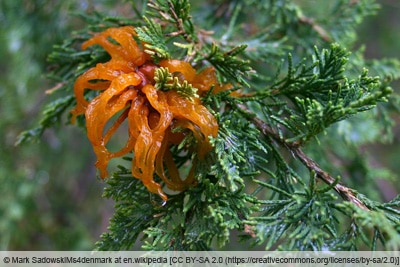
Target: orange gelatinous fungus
127,92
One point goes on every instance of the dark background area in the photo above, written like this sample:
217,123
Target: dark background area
50,198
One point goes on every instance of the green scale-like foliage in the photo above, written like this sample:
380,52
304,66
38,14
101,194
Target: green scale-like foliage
285,149
192,220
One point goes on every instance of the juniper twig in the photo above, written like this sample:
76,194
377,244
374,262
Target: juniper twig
345,192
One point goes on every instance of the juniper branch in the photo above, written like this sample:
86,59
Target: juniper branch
294,147
176,12
179,24
316,27
346,192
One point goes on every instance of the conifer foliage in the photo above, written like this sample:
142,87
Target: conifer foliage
284,169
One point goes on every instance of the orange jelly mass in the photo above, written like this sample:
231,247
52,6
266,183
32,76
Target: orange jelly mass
127,92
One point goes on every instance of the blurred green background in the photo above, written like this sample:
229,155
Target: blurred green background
50,198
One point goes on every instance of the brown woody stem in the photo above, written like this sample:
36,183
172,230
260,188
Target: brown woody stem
294,147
